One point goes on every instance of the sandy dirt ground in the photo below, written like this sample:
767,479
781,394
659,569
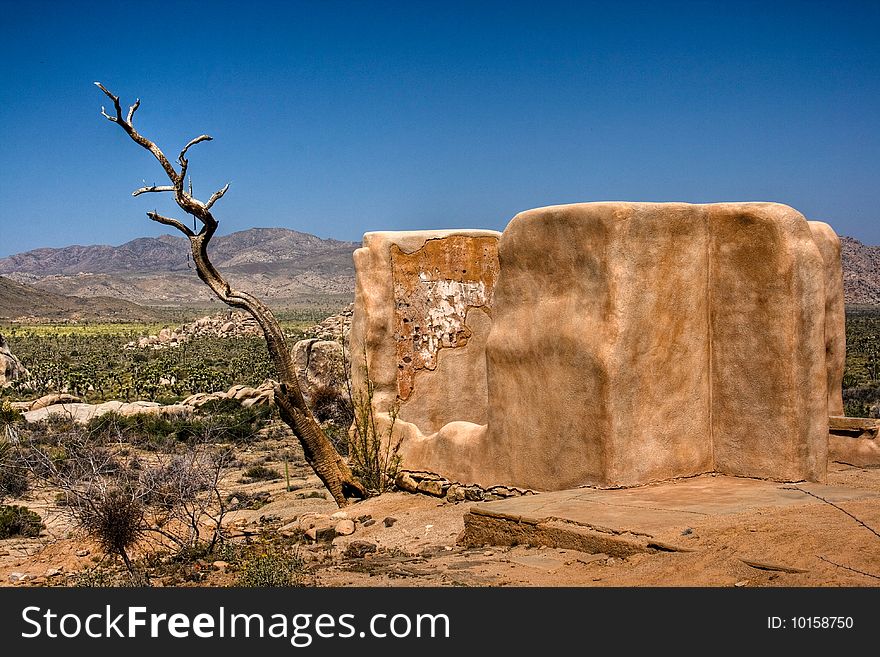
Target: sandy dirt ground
811,545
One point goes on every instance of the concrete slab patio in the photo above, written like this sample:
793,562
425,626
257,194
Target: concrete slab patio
621,522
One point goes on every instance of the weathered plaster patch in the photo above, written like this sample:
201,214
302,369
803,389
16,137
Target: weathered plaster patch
433,289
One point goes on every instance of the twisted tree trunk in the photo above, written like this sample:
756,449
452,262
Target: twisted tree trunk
320,454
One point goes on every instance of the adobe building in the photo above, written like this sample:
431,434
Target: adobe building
606,344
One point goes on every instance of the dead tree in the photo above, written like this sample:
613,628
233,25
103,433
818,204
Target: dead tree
327,463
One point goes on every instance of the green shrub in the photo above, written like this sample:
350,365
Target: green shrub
219,422
261,472
272,566
9,415
13,481
103,577
19,521
13,476
374,456
115,517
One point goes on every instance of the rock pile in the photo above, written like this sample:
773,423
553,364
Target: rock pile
319,527
246,395
335,327
228,324
432,484
11,368
80,413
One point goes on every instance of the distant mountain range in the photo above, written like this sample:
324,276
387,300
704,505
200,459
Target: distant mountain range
276,264
273,263
861,272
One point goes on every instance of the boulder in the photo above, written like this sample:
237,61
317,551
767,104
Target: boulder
52,399
325,366
11,368
319,364
344,527
243,392
83,413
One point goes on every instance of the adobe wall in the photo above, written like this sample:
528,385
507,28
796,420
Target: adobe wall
835,317
420,326
624,343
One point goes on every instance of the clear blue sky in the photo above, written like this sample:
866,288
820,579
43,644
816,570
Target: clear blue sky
340,117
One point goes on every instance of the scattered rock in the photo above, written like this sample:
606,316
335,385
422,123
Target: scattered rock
335,327
220,565
369,522
389,521
358,549
326,533
83,553
473,494
431,487
290,528
437,486
344,527
405,481
311,520
455,493
18,577
687,531
590,558
54,572
307,495
339,515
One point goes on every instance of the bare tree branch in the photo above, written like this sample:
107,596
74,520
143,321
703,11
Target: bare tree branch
320,453
184,163
182,157
143,141
154,188
168,221
216,196
115,99
132,110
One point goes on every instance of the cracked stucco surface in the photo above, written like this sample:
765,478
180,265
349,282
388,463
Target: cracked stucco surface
433,289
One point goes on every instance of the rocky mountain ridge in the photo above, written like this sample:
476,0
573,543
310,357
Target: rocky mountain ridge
168,253
272,263
861,272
